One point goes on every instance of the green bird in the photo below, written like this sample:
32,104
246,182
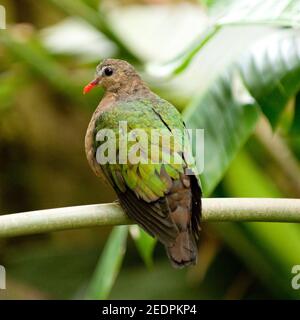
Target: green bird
163,197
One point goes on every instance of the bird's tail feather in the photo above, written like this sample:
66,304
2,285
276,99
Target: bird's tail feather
184,251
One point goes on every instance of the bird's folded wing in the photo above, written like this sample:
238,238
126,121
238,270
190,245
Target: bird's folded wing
142,187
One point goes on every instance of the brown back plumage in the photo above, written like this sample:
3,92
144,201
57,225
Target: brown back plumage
185,210
174,219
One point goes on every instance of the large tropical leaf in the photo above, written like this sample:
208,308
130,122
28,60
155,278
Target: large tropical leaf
265,77
271,72
284,13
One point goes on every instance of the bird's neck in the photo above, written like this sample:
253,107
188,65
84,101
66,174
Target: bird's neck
128,90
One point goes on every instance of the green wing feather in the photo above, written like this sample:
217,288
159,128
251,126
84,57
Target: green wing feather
149,181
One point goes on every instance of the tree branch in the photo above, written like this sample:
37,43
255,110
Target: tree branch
214,209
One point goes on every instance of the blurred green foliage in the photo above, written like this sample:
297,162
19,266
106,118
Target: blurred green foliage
49,51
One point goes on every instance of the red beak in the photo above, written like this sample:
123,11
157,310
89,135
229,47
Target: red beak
90,86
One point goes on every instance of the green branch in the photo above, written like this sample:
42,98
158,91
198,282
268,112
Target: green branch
214,209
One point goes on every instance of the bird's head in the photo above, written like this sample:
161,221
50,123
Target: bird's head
113,74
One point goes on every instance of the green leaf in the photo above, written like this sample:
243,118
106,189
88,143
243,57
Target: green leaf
227,122
144,243
270,12
10,83
284,13
271,72
267,76
295,128
109,264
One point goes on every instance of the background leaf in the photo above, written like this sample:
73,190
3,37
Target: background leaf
295,128
283,12
271,72
144,243
241,12
108,265
223,138
96,19
234,96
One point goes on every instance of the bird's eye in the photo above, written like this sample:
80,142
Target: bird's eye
108,71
